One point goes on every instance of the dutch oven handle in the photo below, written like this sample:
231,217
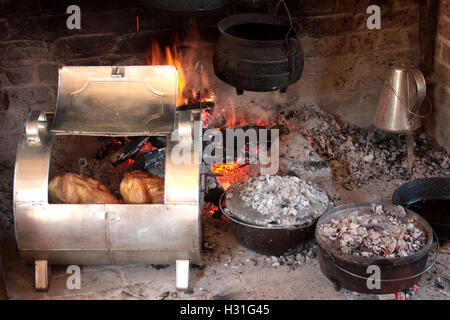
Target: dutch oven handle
291,28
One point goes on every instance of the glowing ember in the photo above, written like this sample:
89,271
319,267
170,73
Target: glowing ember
146,148
124,165
262,123
116,141
232,173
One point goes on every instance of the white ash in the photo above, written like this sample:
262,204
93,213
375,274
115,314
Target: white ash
380,232
359,156
281,201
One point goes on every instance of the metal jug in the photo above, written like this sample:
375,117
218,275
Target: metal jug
400,100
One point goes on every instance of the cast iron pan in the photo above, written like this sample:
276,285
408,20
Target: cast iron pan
429,197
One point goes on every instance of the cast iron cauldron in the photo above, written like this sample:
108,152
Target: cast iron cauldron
350,272
274,241
258,52
429,197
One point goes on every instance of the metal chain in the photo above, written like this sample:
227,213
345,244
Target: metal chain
199,69
286,38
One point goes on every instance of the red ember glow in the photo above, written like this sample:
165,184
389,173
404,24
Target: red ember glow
232,173
147,147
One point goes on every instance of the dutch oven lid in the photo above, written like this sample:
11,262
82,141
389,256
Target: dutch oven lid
116,101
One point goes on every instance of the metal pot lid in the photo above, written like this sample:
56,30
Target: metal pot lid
116,101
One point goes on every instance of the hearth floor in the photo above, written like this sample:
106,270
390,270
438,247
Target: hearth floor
228,271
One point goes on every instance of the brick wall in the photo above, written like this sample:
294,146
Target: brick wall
34,42
438,124
344,61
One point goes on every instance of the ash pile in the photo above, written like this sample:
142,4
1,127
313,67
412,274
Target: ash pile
359,156
389,233
277,201
291,260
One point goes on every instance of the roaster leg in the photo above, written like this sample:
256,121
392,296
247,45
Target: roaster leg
41,275
182,274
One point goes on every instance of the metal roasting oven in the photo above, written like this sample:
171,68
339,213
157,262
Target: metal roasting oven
110,101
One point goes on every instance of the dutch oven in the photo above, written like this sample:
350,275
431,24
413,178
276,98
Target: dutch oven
429,197
351,272
258,52
273,240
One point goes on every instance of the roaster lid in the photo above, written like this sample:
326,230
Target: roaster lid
116,101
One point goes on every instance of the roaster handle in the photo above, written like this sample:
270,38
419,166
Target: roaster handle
421,86
204,176
389,280
36,128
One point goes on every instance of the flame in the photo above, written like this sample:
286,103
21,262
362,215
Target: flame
232,173
188,78
168,56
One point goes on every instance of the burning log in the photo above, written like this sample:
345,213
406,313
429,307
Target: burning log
128,150
196,106
155,160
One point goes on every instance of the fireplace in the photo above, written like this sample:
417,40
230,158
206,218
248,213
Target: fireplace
323,115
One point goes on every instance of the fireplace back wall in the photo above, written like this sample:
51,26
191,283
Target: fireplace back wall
344,61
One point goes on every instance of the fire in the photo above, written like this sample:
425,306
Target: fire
188,78
123,166
168,56
232,173
262,123
146,148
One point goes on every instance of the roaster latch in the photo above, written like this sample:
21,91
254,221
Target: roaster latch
118,72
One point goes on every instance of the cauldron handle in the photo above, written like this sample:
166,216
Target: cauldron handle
388,280
286,38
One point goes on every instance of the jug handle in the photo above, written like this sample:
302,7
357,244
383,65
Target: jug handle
421,91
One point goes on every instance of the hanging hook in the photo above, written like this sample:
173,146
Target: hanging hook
199,67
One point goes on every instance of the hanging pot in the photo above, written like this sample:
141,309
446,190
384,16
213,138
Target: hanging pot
187,6
258,52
